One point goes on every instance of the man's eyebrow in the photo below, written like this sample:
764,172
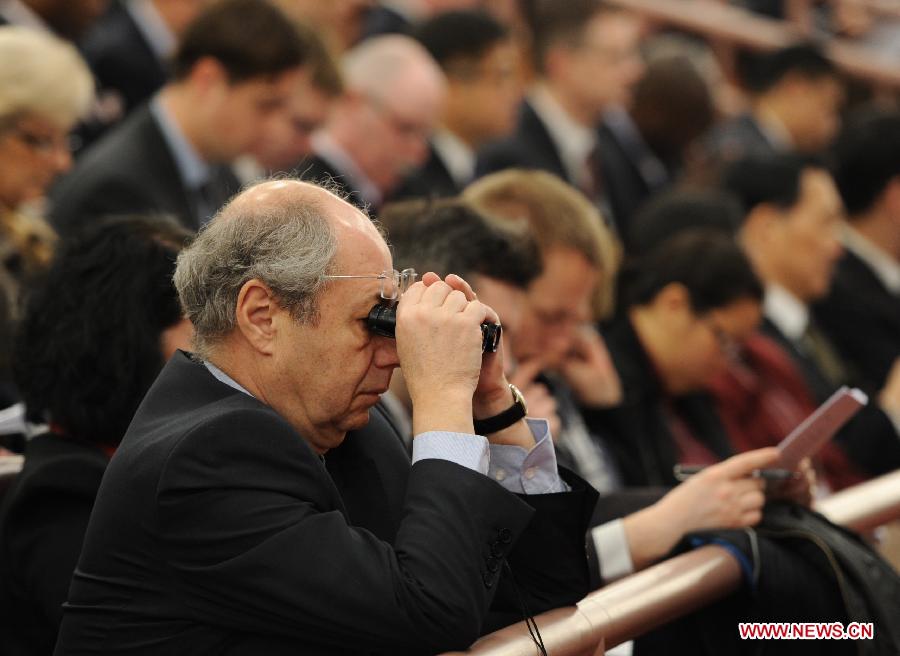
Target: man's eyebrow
366,302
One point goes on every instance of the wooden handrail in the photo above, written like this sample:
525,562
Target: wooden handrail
641,602
735,25
11,464
865,506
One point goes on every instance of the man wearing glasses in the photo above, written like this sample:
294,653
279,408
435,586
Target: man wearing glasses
378,130
218,524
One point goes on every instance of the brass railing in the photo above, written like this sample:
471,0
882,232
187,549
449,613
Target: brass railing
641,602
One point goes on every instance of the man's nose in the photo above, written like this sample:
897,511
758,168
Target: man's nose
386,352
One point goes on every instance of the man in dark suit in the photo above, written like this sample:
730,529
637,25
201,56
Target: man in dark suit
254,545
378,129
790,233
129,49
643,149
483,90
234,72
861,313
796,98
587,61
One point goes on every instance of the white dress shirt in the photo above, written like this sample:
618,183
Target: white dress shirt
457,156
885,267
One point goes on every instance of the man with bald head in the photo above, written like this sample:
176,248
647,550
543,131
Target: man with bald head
218,526
378,130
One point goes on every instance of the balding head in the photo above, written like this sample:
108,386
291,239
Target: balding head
394,98
284,233
379,66
279,286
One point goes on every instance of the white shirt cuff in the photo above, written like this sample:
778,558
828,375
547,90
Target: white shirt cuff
518,470
613,554
530,471
464,449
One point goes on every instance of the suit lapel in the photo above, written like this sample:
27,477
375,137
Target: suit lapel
532,128
163,170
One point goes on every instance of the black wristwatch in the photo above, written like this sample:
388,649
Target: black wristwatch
506,418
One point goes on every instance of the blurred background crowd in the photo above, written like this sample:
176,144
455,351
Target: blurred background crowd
687,213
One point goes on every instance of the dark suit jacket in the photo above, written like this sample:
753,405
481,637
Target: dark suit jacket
735,139
316,169
218,530
618,162
529,147
131,170
639,430
384,20
869,439
42,525
123,63
862,318
432,180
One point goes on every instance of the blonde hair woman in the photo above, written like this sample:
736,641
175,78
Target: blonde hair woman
45,87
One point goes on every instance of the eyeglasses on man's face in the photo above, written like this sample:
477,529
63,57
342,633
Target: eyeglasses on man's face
393,283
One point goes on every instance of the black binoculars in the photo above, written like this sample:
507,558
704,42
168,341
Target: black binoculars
382,320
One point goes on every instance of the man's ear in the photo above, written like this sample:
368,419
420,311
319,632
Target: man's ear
255,315
760,225
673,298
208,74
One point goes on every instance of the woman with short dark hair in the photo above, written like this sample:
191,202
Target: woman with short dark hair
93,338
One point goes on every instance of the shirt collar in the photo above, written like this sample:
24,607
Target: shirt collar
456,156
885,267
573,140
194,171
222,377
329,150
18,13
774,131
789,314
152,27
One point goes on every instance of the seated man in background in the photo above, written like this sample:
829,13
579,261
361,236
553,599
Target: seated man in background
289,140
587,62
94,336
480,60
792,215
222,472
129,49
861,312
762,395
234,71
378,129
795,101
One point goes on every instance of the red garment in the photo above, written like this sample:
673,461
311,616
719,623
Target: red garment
691,451
762,397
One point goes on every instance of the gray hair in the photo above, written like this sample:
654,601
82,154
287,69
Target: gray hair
373,66
288,245
41,74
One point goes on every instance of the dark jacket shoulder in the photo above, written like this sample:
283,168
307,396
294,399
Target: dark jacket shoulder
529,147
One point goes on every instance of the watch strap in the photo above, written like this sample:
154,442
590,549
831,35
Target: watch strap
506,418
